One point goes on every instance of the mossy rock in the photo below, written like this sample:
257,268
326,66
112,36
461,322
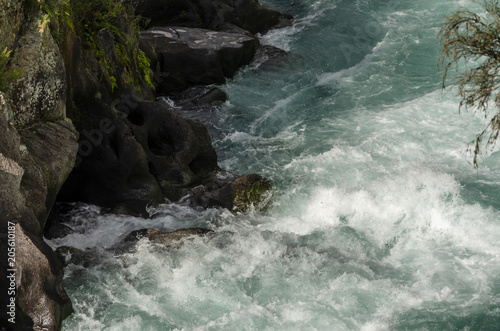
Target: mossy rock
250,190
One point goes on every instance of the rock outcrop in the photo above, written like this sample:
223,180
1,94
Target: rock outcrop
190,56
37,152
79,122
219,15
168,239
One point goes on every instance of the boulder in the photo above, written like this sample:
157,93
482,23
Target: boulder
41,302
186,57
199,96
268,57
169,239
250,190
112,170
145,154
240,195
218,15
179,151
41,299
70,255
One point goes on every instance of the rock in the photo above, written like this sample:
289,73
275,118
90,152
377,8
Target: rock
33,165
239,195
40,91
199,96
149,152
112,170
41,301
250,190
70,255
48,155
168,239
221,15
199,103
179,150
12,14
57,230
190,56
269,57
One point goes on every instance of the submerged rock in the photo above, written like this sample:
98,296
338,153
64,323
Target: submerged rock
269,57
250,190
240,195
71,255
186,57
168,239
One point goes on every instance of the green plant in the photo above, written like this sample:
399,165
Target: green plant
90,17
86,18
471,44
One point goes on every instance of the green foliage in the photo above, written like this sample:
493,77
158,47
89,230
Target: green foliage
93,16
86,18
7,74
471,45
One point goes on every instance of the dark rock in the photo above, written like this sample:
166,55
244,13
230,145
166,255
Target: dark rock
199,103
187,56
239,195
179,150
167,238
113,170
151,153
221,15
268,57
70,255
57,230
199,96
250,190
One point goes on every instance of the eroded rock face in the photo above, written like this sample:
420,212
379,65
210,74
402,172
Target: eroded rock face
187,56
147,154
40,91
40,298
48,152
112,170
219,15
179,150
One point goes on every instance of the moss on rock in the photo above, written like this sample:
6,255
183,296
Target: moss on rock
250,190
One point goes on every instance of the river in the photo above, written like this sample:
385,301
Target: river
378,221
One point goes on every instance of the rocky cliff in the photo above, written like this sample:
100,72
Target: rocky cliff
79,121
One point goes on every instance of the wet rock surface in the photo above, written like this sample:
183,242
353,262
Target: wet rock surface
189,56
218,15
239,195
168,239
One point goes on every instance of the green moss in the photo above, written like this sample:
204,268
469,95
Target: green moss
7,74
86,18
251,196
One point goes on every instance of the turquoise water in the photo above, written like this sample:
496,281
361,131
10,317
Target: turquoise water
378,222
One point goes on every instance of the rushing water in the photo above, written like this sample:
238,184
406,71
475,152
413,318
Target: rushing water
378,221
